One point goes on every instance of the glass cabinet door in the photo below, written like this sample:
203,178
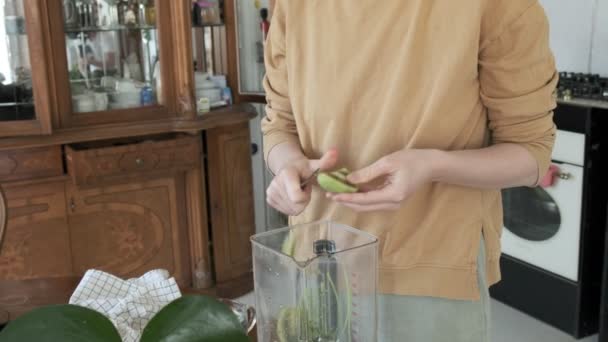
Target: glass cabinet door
208,37
18,113
112,49
252,21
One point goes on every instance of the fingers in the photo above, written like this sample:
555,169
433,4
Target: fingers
378,169
291,184
285,194
276,200
373,207
327,162
383,195
385,198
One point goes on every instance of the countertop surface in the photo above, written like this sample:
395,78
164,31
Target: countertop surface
585,103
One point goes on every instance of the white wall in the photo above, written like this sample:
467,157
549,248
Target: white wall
579,34
600,41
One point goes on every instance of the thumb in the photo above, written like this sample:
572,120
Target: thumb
369,173
327,162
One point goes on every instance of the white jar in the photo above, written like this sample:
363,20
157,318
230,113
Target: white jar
203,105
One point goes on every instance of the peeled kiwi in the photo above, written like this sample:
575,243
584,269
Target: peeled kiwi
336,181
287,325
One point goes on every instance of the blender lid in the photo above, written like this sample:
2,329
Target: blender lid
321,247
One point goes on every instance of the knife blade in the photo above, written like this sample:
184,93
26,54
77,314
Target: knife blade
309,179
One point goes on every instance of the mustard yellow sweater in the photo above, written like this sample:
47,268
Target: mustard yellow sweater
371,77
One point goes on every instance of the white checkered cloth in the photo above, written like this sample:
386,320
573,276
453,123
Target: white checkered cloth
129,304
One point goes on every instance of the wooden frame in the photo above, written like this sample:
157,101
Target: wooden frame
232,47
38,43
3,217
181,36
167,54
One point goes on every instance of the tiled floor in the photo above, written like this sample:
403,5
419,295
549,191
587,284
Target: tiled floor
510,325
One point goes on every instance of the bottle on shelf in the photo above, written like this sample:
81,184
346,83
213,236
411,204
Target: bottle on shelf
150,13
122,7
157,81
196,13
131,14
206,12
265,24
141,12
71,16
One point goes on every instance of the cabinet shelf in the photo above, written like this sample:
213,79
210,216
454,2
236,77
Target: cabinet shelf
111,28
15,104
21,33
208,25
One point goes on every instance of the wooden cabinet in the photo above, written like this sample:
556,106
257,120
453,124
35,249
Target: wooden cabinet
37,243
95,179
58,230
35,260
31,163
130,229
105,162
232,217
104,64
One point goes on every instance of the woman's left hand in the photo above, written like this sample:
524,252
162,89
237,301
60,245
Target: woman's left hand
403,173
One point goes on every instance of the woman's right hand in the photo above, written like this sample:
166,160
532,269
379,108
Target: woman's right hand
285,194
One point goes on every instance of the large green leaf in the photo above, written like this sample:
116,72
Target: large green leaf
194,319
65,323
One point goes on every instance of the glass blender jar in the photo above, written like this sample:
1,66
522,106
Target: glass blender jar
315,283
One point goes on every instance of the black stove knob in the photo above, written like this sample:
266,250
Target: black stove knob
595,92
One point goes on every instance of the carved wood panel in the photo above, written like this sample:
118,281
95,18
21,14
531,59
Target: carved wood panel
95,164
37,238
128,230
30,163
231,195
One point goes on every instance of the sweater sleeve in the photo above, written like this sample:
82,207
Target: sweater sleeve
279,124
518,76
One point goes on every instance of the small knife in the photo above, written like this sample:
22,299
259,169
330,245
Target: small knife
309,179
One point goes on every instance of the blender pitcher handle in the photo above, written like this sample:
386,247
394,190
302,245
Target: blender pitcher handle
251,319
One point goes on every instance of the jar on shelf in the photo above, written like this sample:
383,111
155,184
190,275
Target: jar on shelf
122,7
209,12
150,13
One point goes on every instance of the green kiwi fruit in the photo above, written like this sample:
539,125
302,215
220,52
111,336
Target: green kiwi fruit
336,181
289,245
287,325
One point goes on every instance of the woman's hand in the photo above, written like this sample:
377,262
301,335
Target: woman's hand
400,175
285,193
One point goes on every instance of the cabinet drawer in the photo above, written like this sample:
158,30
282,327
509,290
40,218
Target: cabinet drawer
37,238
30,163
122,161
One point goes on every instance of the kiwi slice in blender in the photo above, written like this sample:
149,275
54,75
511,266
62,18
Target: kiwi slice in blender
289,245
287,325
336,182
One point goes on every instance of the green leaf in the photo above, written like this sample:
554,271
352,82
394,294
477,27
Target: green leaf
65,323
194,319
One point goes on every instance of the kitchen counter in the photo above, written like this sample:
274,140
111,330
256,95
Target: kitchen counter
584,103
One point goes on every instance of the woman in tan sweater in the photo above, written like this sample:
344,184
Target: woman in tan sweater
440,104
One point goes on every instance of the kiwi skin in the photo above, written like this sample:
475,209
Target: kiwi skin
335,182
